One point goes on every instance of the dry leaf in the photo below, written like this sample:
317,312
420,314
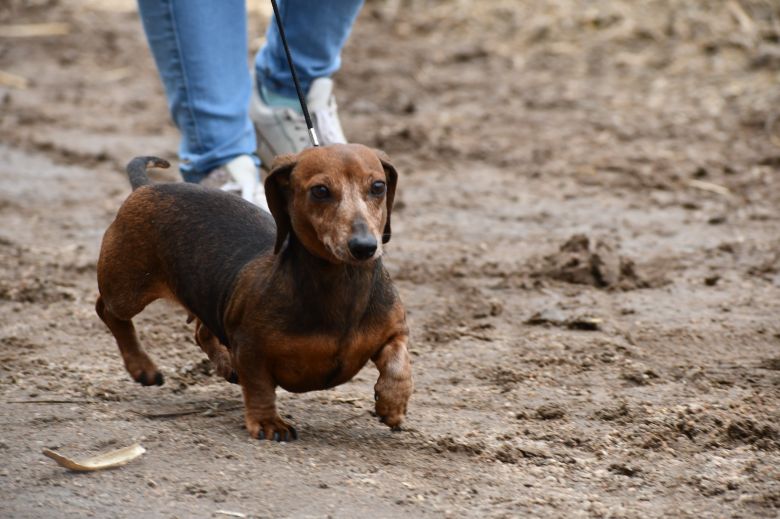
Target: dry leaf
107,460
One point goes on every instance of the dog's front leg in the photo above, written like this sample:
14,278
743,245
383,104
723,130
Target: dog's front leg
394,386
262,420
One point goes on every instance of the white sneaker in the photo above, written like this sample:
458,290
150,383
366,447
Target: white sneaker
239,176
283,130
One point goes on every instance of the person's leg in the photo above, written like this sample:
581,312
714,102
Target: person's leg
316,32
200,49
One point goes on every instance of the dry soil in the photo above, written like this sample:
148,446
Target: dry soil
586,239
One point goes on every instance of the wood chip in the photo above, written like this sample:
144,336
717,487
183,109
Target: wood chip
711,187
229,513
586,323
115,6
108,460
32,30
116,74
51,402
14,81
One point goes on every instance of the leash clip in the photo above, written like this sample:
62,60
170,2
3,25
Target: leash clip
313,137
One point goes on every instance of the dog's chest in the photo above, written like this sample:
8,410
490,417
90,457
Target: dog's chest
319,361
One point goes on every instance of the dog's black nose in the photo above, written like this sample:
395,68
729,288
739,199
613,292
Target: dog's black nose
362,247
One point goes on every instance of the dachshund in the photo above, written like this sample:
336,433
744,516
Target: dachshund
298,298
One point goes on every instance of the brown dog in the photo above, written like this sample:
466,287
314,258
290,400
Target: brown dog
302,304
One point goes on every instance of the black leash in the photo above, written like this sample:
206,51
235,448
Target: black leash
312,132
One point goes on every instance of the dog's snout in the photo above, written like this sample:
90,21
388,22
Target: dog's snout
362,247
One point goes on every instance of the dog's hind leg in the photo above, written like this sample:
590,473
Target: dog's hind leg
218,354
137,362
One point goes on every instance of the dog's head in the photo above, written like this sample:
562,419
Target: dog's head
335,199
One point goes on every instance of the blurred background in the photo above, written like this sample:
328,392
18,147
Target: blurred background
586,238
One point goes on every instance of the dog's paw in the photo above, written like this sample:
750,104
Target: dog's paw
274,429
141,368
149,378
391,396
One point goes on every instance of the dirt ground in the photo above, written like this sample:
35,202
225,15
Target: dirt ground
586,239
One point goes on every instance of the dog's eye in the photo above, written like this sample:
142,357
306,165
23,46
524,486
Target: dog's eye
320,192
378,188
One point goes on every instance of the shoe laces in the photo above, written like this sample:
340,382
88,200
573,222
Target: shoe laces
298,125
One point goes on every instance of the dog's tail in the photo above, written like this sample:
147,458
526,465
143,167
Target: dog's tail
136,169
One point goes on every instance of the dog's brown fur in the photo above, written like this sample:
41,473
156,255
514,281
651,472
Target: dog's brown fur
275,305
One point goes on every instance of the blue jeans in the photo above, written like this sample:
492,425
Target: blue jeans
200,48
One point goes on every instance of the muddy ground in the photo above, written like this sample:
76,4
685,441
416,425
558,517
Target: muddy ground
586,239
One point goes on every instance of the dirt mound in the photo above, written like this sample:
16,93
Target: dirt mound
595,262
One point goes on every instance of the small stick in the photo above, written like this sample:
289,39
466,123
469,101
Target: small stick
183,412
355,417
745,22
51,402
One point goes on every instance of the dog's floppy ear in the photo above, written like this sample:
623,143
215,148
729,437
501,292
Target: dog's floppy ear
277,189
392,181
